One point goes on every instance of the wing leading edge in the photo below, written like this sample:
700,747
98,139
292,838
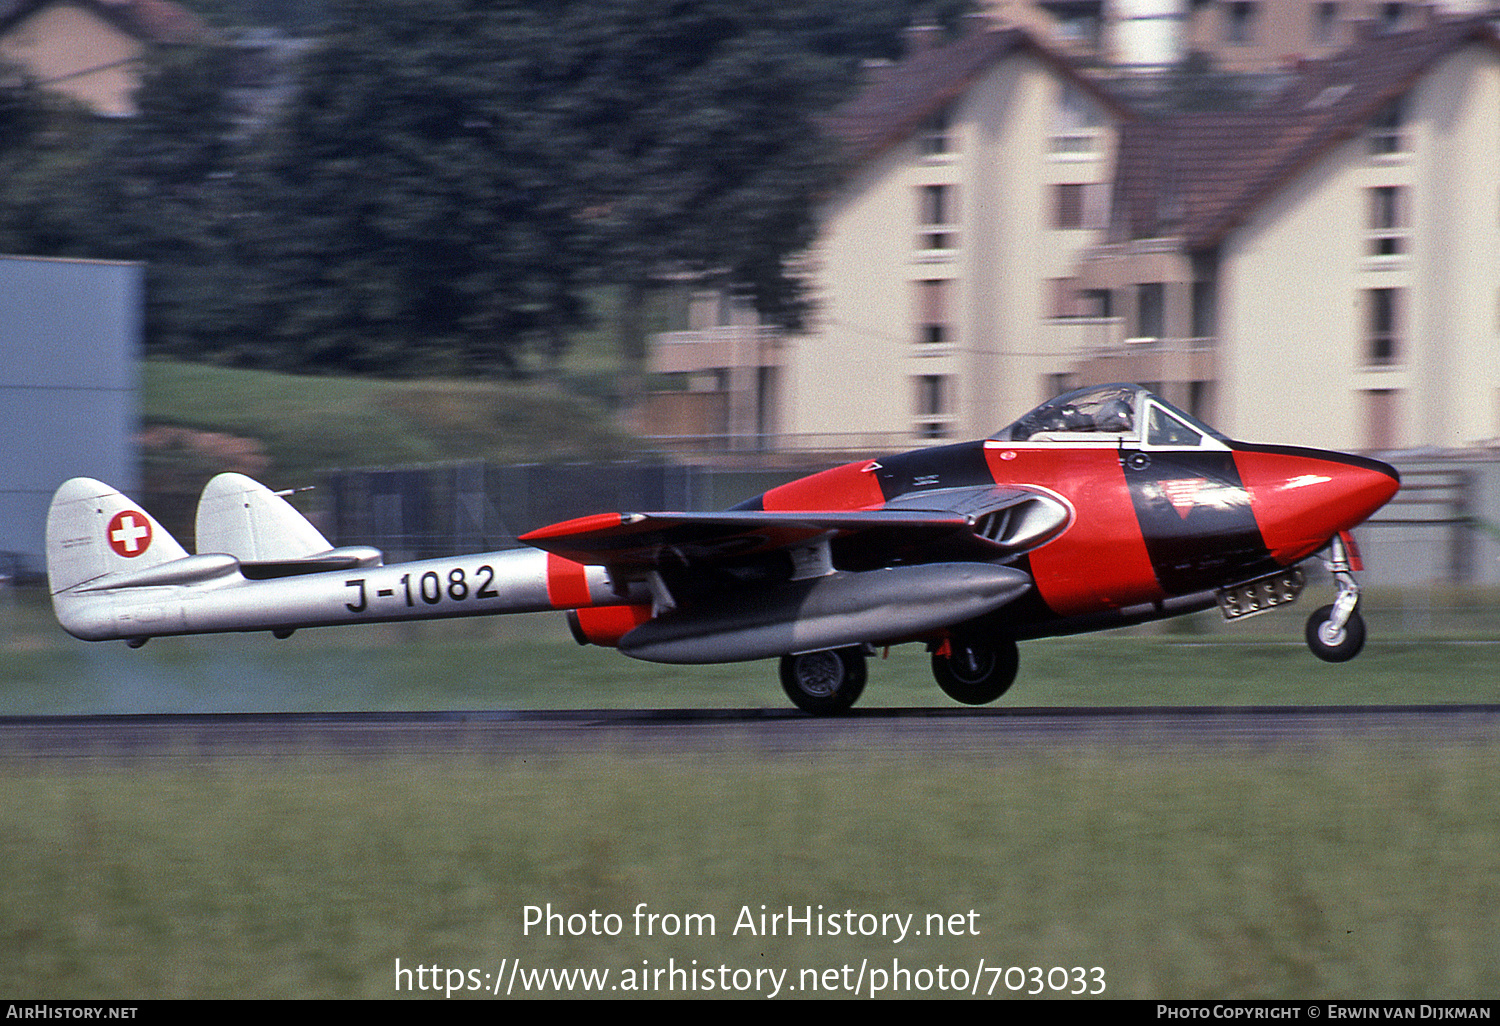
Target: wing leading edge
647,541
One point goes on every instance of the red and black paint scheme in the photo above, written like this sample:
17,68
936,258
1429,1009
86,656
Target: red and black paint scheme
1103,507
1107,505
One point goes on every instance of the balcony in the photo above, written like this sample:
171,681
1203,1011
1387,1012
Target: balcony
716,348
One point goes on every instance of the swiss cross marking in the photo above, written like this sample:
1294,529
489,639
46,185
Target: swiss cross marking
129,533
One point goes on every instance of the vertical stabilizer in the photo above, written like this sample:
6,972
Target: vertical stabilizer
93,530
247,520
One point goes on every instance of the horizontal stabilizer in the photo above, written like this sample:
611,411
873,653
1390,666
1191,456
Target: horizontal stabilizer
187,570
350,557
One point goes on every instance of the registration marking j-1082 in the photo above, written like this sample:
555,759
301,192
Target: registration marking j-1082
430,588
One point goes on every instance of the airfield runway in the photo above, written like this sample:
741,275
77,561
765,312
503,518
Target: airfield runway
768,732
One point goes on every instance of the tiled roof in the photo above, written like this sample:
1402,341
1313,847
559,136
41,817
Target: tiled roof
903,97
1199,176
153,21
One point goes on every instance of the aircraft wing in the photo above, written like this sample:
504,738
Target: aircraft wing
645,541
972,523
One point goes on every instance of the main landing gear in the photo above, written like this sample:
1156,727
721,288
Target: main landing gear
1336,633
969,670
824,683
973,671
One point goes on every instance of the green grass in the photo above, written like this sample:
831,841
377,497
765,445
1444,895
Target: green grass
1359,869
530,662
1363,872
309,424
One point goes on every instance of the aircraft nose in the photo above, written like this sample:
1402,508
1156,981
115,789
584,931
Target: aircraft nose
1303,497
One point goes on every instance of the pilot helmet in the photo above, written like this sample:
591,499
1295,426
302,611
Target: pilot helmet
1114,416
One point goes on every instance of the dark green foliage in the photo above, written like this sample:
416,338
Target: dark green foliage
451,177
163,192
44,156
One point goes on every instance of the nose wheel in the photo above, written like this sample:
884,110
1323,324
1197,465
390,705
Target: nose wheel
1336,633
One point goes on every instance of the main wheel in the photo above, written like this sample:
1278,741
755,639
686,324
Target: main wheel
976,672
1334,647
824,683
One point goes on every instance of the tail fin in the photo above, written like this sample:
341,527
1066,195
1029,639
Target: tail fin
93,530
246,519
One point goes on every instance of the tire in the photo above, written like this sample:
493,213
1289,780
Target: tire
824,683
1335,650
977,672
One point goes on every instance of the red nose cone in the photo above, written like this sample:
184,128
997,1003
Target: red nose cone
1303,497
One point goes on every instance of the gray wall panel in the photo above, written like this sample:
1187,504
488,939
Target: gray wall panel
70,340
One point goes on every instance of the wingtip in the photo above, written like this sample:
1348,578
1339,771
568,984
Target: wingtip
577,526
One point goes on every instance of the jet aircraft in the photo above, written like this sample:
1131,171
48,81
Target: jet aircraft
1104,507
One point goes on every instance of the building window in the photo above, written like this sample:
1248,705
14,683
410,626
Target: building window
934,317
1098,303
1383,331
1392,16
937,135
1380,419
935,217
933,415
1150,310
1239,28
1325,24
1080,205
1205,312
1388,220
1067,301
1076,123
1387,133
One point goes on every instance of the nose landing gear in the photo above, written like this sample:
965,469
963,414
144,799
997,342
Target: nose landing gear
1336,633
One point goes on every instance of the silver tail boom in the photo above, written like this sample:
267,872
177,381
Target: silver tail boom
115,573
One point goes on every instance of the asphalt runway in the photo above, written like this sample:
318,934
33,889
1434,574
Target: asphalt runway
970,732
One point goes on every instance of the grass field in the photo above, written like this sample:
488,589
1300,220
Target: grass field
530,661
1360,869
311,424
1361,872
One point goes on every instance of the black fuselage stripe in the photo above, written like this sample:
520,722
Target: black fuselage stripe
1195,517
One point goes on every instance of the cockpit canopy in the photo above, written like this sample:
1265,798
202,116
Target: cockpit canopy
1120,413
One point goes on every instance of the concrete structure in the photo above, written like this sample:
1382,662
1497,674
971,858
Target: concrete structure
70,341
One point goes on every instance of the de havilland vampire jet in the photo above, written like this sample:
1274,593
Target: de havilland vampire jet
1104,507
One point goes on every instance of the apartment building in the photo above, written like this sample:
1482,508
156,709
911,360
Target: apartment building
1324,269
1237,35
974,167
92,50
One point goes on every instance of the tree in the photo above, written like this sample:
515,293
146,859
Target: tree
699,147
414,208
162,192
453,175
44,160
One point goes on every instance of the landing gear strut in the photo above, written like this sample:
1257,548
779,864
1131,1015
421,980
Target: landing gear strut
1336,633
